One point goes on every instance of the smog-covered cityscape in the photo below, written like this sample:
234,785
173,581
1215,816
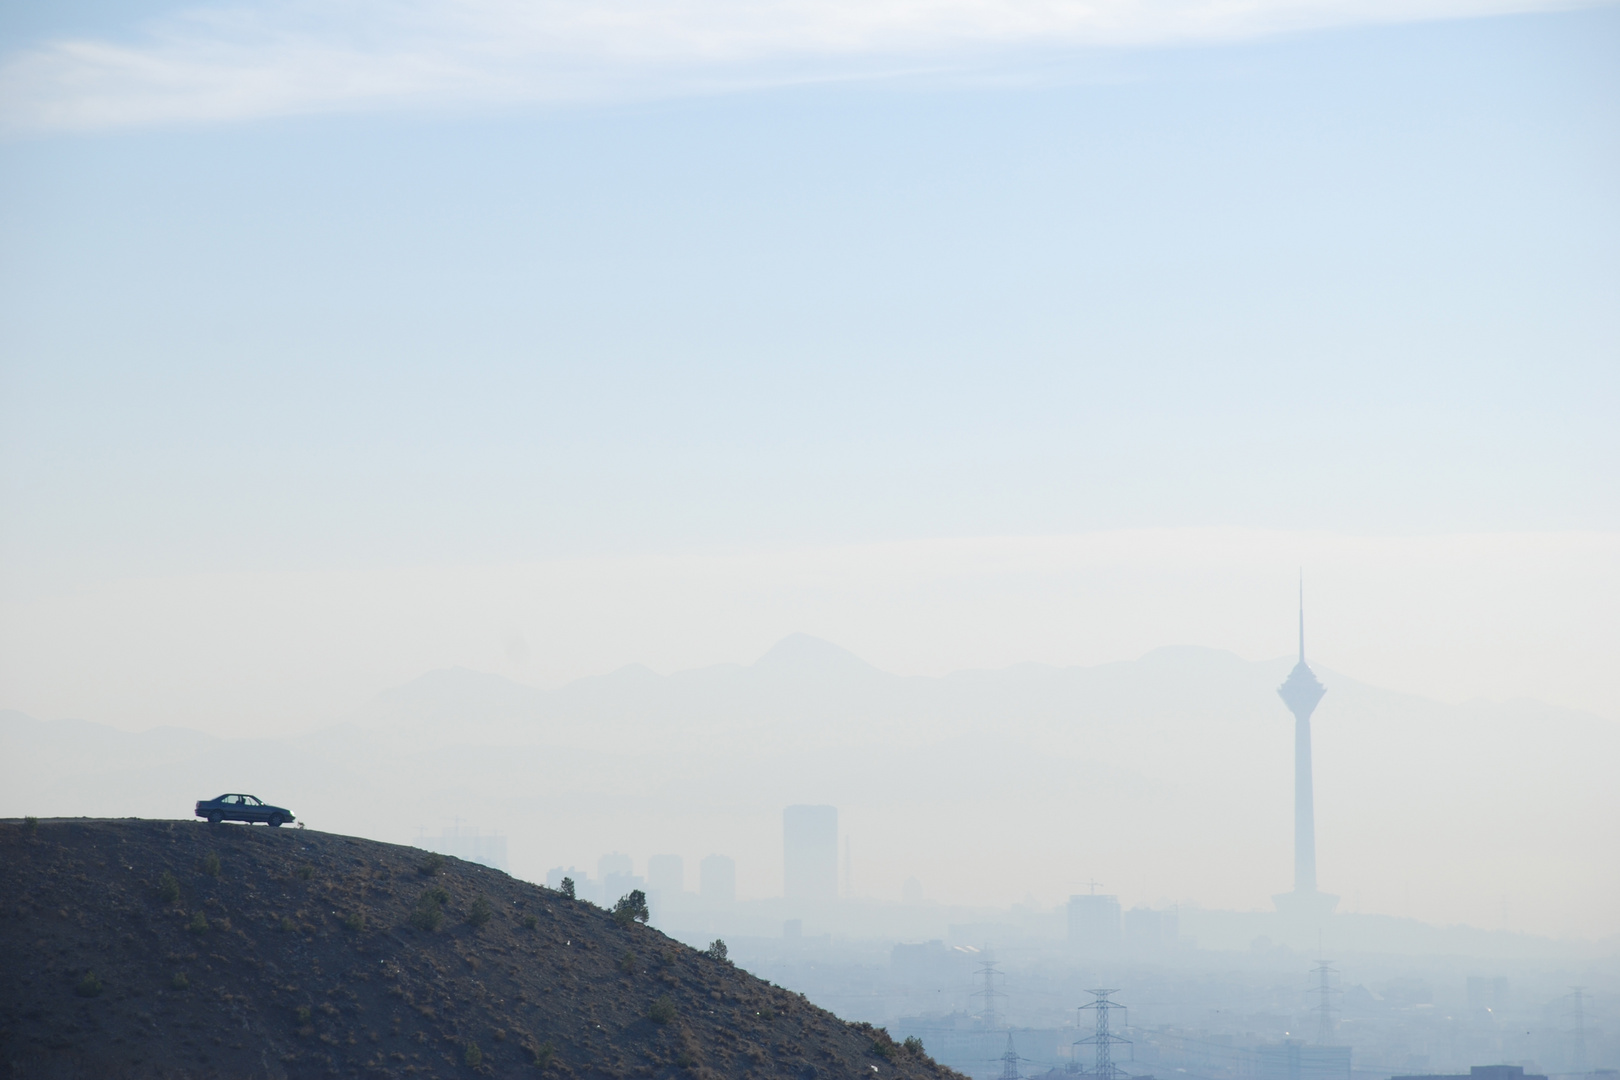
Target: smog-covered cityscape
810,540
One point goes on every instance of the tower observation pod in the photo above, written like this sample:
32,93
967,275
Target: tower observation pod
1301,692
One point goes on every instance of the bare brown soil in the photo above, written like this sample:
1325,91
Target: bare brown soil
180,950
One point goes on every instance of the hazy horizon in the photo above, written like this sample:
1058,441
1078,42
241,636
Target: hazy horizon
610,422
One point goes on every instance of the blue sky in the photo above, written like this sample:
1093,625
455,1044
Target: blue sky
1357,277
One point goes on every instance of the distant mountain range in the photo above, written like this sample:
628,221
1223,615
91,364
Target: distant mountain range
1167,779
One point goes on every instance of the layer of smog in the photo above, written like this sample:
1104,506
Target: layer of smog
815,540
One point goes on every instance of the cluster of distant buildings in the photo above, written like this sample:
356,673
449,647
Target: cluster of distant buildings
665,880
810,880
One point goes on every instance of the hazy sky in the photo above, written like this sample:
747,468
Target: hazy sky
632,331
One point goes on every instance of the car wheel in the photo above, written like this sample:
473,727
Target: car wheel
275,821
215,817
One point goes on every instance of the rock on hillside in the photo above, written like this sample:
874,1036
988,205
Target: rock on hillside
178,949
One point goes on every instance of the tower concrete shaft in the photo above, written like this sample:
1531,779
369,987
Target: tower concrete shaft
1304,809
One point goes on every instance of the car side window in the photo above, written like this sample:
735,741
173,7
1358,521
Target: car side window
251,801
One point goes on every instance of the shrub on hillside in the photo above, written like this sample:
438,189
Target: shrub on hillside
474,1057
89,986
479,913
566,887
30,825
530,922
179,982
355,920
168,889
431,864
913,1044
210,864
429,912
198,924
627,962
716,950
662,1011
306,872
543,1054
632,907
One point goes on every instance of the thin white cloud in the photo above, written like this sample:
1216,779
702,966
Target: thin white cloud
294,56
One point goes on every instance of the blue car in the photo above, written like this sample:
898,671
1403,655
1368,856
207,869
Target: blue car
242,808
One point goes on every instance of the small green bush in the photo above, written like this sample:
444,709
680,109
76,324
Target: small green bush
479,913
543,1054
632,907
913,1045
662,1011
355,920
30,825
431,864
627,962
198,924
429,912
474,1057
302,1012
168,889
306,871
716,950
287,925
179,982
210,864
89,986
567,887
530,922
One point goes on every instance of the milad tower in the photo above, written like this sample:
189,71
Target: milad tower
1300,692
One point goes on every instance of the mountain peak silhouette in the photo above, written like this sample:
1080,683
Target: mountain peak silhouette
802,653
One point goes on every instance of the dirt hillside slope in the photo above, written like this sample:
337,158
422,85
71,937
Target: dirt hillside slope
177,949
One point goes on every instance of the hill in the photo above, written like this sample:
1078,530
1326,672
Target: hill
182,950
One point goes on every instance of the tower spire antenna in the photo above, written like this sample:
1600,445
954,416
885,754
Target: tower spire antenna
1302,614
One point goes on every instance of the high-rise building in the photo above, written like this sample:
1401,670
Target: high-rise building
467,843
666,874
1094,922
618,876
1149,931
810,853
717,880
1301,692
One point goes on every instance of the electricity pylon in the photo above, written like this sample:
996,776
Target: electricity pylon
1324,1006
1104,1041
988,972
